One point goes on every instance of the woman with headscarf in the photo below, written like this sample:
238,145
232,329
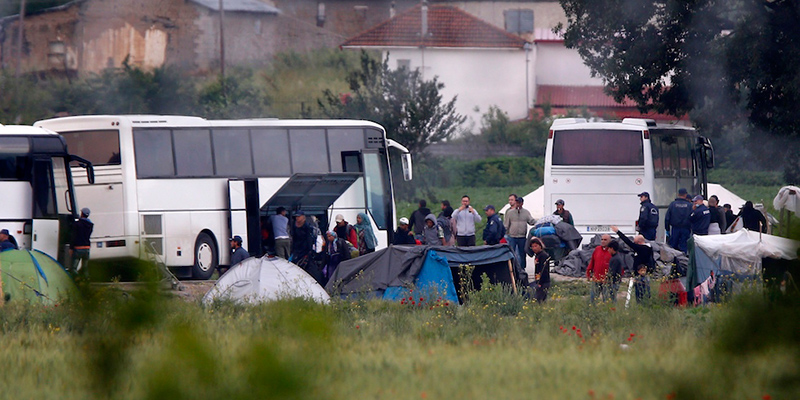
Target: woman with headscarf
366,238
336,250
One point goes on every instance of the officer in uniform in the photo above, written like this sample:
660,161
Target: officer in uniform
648,217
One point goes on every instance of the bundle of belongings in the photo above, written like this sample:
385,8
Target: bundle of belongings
559,237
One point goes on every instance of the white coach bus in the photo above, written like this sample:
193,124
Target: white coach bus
598,168
38,202
179,187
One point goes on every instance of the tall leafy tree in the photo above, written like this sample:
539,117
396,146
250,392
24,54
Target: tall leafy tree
721,60
410,109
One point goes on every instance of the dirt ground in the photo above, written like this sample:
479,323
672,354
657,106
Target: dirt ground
186,290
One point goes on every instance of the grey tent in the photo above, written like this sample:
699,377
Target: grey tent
398,266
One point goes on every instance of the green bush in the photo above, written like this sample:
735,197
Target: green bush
725,177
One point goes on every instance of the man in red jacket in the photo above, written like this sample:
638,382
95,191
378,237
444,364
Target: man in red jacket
598,268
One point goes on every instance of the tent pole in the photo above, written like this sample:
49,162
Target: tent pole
2,294
511,272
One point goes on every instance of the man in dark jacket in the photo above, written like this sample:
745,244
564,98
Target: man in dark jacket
563,212
753,219
729,216
648,217
676,221
5,241
417,220
615,267
403,236
494,230
642,251
303,241
700,216
718,223
80,245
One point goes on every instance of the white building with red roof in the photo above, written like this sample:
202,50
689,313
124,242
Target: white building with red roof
478,62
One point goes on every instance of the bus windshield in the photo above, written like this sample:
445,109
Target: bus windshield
598,147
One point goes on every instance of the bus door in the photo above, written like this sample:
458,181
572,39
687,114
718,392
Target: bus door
53,211
243,215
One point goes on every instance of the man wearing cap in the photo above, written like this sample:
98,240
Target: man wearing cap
346,231
563,213
280,231
5,243
466,217
403,235
676,221
700,218
80,244
729,216
303,241
494,230
516,222
239,253
648,217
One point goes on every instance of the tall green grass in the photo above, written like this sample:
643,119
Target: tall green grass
495,346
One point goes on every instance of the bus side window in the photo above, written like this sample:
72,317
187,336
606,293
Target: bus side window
351,161
44,205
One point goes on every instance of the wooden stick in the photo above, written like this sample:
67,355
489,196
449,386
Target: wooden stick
511,272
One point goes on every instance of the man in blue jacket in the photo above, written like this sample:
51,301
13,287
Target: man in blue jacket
700,216
648,217
676,221
494,230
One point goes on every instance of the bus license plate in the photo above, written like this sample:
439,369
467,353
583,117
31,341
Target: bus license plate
598,228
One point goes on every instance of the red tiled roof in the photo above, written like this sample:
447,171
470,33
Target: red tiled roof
447,27
577,96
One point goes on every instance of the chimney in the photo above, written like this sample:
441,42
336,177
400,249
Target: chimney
391,11
424,18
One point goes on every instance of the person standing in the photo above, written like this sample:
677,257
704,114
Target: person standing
280,231
541,269
494,230
598,268
445,221
336,250
717,224
615,267
239,253
729,216
5,241
303,242
403,236
700,216
432,234
676,221
753,219
417,219
466,217
366,238
563,213
648,217
81,243
516,222
642,251
641,284
346,231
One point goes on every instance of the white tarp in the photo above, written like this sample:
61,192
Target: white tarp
258,280
747,246
726,197
789,198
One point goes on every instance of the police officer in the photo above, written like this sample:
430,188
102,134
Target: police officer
648,217
700,216
676,221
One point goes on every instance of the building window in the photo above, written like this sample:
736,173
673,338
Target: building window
404,63
519,21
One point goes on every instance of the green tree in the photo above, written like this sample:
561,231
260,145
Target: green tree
410,109
723,61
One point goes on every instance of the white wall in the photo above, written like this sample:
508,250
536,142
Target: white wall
480,78
558,65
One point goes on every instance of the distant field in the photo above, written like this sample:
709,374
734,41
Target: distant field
496,346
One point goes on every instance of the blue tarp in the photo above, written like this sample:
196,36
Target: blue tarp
435,277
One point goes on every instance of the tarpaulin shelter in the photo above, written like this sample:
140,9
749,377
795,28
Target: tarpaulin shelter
33,276
400,266
739,254
258,280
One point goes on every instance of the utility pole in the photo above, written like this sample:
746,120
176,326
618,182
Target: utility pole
221,47
19,37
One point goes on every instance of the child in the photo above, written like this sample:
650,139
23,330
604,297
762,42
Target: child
432,233
641,283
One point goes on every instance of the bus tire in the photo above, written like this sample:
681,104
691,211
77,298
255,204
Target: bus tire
206,258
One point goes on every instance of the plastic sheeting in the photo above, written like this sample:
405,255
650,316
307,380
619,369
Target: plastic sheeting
435,277
788,198
747,245
257,280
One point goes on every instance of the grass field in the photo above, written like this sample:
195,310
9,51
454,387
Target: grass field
495,346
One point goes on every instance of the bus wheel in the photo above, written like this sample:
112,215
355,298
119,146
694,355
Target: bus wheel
205,257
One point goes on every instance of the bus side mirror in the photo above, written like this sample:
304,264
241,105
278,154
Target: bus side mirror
87,165
407,168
